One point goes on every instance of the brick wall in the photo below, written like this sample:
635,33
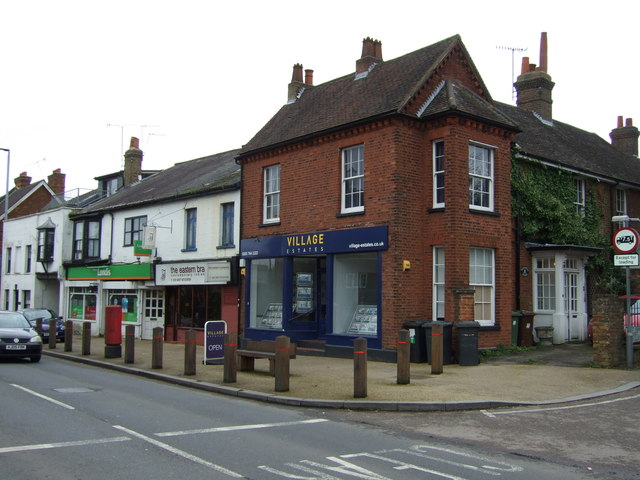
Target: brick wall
608,331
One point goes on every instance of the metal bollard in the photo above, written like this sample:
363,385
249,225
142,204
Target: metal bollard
360,367
156,348
86,338
129,343
436,348
190,353
68,336
230,362
282,363
402,358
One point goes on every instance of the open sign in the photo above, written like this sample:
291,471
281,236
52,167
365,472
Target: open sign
625,240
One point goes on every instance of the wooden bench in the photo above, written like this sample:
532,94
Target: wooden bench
252,349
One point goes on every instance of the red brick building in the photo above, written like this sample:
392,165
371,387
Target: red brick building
385,196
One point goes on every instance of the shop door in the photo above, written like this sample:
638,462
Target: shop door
309,309
153,312
572,304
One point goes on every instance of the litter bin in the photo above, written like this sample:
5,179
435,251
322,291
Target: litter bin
417,350
515,327
447,347
468,352
525,330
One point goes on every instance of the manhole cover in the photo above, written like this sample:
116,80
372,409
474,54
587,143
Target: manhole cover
73,390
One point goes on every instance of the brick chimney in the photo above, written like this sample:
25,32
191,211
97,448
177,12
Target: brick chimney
534,85
625,138
132,162
57,181
371,54
22,180
297,84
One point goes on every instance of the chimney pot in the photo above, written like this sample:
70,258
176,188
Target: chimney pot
620,121
543,52
625,138
525,65
132,162
22,180
308,77
297,73
629,122
371,54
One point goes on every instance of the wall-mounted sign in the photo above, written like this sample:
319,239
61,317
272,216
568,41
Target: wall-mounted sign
135,271
194,273
140,251
317,243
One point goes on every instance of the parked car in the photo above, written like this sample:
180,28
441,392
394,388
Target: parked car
45,314
18,339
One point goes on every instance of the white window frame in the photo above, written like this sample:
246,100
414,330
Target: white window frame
227,221
438,283
482,176
438,173
352,178
581,196
485,287
544,293
271,201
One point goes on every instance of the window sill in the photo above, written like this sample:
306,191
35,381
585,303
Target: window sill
349,214
436,209
269,224
193,249
484,212
222,247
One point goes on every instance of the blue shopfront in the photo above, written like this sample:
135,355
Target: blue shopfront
319,285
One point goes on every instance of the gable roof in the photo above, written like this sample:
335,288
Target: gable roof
385,90
201,176
567,146
20,195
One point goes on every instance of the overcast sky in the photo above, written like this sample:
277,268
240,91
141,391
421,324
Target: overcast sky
193,77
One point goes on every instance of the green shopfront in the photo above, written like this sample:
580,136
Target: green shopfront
319,285
88,290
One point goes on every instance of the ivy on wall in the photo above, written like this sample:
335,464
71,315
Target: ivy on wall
543,197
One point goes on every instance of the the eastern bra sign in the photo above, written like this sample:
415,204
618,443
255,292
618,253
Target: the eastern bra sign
317,243
193,273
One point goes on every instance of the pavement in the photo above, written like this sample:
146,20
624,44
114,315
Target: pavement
540,376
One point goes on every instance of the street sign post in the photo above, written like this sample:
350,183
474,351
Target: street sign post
625,240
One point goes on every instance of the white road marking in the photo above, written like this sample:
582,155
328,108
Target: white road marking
79,443
44,397
239,427
551,409
180,453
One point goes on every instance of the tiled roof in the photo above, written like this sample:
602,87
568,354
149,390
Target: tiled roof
195,177
15,195
570,147
343,101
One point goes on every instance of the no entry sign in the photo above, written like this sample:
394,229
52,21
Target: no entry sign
625,240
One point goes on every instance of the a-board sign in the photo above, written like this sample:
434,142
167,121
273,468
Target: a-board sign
214,332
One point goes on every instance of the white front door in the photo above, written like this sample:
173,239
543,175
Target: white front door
572,306
152,313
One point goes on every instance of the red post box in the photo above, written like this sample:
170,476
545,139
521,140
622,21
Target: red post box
113,325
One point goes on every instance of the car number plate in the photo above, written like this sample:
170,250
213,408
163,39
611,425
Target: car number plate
16,347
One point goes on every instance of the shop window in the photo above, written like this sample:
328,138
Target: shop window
191,229
353,179
133,228
199,304
481,278
82,303
266,293
355,298
438,174
304,289
46,237
271,194
480,177
128,301
438,283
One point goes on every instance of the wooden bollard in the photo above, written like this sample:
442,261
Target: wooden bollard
190,353
156,348
282,363
39,326
53,337
436,348
360,367
86,338
402,358
68,336
129,343
230,363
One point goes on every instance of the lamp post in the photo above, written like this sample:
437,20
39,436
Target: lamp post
6,195
625,220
